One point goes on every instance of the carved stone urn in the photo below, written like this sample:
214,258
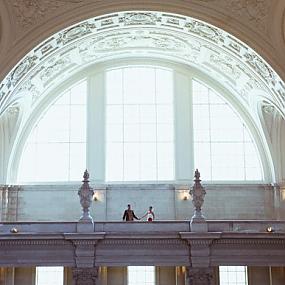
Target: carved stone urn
85,194
198,193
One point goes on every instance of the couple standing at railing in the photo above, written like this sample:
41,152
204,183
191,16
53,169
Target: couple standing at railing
129,215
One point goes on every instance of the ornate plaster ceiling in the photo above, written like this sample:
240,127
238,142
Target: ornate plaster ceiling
144,34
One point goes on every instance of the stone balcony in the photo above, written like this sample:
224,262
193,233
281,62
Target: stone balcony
143,243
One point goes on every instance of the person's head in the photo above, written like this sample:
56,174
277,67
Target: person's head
129,206
150,208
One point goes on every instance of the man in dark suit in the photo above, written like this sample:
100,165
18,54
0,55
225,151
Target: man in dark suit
129,214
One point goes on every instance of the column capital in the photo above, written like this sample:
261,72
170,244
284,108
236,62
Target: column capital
200,276
85,276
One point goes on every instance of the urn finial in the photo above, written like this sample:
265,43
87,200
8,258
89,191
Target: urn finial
85,176
85,194
198,193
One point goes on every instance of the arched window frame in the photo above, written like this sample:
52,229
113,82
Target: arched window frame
95,157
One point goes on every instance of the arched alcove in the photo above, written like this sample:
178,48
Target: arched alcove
145,35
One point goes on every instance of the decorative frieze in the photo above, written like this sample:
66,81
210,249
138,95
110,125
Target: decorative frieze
184,39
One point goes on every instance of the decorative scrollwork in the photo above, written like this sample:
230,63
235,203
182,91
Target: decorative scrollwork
188,40
30,11
256,11
85,276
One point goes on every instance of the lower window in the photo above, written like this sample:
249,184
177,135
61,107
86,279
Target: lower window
141,275
52,275
233,275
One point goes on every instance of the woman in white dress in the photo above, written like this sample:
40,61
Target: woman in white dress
149,215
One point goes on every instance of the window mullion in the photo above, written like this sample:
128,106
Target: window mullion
184,148
95,149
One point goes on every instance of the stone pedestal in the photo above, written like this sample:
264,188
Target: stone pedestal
85,276
199,276
85,227
198,225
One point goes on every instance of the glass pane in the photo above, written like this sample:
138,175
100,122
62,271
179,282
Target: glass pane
147,113
52,162
77,161
114,133
132,161
132,133
164,86
223,149
78,94
233,275
132,114
77,123
114,114
147,132
115,161
141,275
55,149
165,132
114,91
141,121
49,275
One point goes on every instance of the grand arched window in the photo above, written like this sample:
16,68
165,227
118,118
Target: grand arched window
139,124
223,146
142,122
56,148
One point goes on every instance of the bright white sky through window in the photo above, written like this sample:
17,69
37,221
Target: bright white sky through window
223,147
233,275
56,148
139,124
52,275
141,275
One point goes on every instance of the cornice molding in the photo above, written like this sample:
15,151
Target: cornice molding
143,242
43,242
84,242
279,241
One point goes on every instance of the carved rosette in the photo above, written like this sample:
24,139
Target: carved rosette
85,193
198,193
197,276
85,276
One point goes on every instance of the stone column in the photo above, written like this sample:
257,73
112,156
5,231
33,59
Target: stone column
85,276
199,276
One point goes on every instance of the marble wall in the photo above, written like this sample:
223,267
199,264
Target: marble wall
61,202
